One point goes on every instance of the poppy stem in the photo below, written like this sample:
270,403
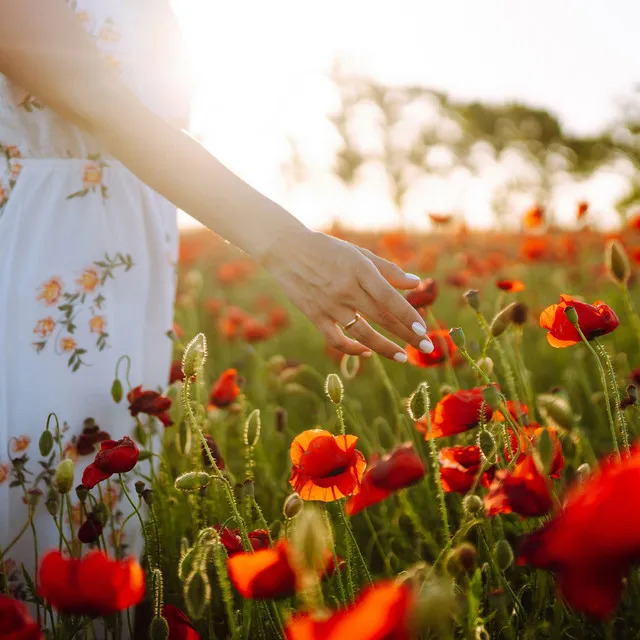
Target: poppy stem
635,321
376,540
336,564
219,559
354,542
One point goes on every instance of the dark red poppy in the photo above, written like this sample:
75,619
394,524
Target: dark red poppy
16,622
455,413
424,295
459,468
225,389
381,612
443,349
150,402
533,218
524,491
268,573
230,538
180,627
113,457
175,373
591,543
93,585
91,436
90,529
325,467
529,435
215,452
595,320
399,469
510,286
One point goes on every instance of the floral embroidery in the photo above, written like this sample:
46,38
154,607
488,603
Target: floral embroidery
92,178
4,472
108,33
20,444
4,195
87,297
11,154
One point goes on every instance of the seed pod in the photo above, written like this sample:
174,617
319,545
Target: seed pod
52,502
45,444
617,262
185,566
418,404
158,629
82,492
33,497
147,496
334,388
519,313
116,390
472,296
473,505
572,314
457,337
139,486
293,505
504,554
486,364
491,396
192,481
462,559
63,478
195,355
502,320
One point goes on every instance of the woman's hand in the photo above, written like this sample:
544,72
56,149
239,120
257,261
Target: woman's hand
330,280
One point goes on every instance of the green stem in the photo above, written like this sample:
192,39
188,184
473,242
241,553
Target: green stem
635,321
376,540
354,542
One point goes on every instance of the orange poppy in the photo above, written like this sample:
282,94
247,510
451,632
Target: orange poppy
225,389
234,272
325,467
88,281
397,470
533,218
440,219
20,444
45,327
50,291
528,436
443,348
459,467
381,612
278,318
594,320
455,413
255,331
67,344
93,585
534,248
524,491
510,286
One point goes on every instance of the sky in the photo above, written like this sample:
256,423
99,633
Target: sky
261,69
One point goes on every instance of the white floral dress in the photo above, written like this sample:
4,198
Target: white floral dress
87,262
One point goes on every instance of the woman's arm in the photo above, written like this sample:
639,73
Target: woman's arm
45,50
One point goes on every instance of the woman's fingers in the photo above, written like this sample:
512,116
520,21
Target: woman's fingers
336,339
392,273
365,334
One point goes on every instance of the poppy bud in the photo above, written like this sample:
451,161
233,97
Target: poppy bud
473,299
418,404
486,364
63,478
501,321
491,396
583,472
310,537
82,492
617,262
280,416
33,497
197,593
556,409
446,389
473,505
519,313
462,559
572,315
293,505
147,496
248,489
158,629
503,554
545,448
487,444
457,337
334,388
185,566
52,502
45,444
139,485
350,366
116,390
195,355
192,481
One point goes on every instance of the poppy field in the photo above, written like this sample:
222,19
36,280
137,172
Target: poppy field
488,489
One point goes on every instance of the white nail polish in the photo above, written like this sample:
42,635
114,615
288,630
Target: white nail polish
366,354
401,356
418,329
426,346
412,276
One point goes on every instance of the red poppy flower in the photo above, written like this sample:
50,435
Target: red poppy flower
213,306
582,209
225,389
528,438
510,286
255,331
175,373
516,411
460,279
113,457
91,529
443,348
634,222
399,469
524,491
150,402
234,272
325,467
591,543
268,573
278,318
180,627
533,218
635,376
455,413
534,248
459,467
424,295
215,452
230,538
91,436
16,621
594,320
380,612
93,585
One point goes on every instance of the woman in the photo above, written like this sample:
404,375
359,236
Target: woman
91,154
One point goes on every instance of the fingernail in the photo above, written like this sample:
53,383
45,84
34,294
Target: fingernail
401,356
419,329
366,354
412,276
426,346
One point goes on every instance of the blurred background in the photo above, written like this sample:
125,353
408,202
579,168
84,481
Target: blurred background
373,115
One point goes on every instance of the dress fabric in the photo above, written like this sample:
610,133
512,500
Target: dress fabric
87,270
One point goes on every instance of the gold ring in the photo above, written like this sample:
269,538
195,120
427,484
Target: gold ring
352,322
